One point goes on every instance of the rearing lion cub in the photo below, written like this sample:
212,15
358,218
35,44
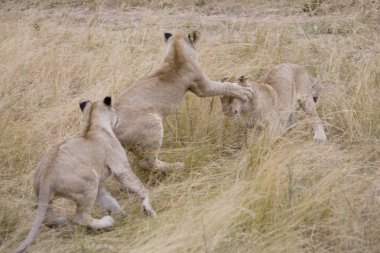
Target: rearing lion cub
76,168
143,105
275,99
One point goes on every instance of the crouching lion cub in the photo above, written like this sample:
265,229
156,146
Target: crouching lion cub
143,106
275,99
76,168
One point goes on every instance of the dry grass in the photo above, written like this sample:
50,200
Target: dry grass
293,195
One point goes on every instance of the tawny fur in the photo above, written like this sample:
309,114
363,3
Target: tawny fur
76,168
275,99
143,106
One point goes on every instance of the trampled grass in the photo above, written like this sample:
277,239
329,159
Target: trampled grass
238,192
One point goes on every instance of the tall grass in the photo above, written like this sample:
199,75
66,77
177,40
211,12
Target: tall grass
239,192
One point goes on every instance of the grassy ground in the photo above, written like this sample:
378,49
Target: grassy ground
237,193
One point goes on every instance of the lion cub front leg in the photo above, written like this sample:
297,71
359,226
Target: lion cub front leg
131,182
309,106
207,88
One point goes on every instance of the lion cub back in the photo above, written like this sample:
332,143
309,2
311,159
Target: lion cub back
291,82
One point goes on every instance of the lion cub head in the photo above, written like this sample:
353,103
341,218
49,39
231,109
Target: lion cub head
100,113
232,106
181,47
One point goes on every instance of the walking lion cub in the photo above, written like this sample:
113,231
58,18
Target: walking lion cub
76,168
275,99
143,106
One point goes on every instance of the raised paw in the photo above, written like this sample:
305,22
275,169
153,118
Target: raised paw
250,90
247,93
242,92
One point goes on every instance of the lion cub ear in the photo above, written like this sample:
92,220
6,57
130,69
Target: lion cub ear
243,79
194,36
83,103
167,36
107,101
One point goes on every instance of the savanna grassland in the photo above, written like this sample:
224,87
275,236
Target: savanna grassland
239,192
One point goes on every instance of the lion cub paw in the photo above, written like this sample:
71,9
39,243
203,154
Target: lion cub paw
150,212
106,221
178,166
319,135
119,214
242,92
247,93
59,222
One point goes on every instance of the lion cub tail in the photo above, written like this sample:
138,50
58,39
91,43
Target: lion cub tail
43,203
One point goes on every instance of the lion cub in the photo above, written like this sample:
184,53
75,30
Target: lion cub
76,168
275,99
143,106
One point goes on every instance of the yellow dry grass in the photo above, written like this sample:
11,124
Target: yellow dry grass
237,193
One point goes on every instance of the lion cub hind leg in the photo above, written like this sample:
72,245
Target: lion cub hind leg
150,135
308,105
109,203
84,206
53,221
